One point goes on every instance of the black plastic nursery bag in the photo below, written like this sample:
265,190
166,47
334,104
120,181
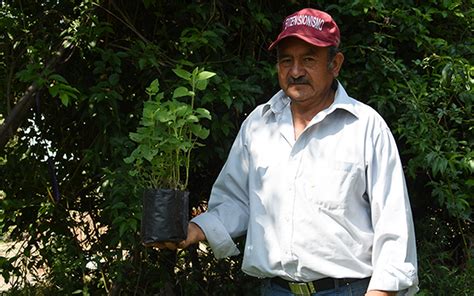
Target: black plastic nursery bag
165,216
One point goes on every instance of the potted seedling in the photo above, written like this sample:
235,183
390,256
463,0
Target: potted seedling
169,130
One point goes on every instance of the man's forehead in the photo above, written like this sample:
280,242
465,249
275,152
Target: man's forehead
295,45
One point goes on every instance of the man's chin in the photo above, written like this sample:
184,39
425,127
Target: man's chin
295,94
298,88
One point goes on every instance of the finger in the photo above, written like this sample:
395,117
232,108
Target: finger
160,245
156,245
170,245
183,244
163,245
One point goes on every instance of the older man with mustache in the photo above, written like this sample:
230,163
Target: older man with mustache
314,181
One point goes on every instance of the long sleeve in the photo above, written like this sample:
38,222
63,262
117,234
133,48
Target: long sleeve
228,212
394,251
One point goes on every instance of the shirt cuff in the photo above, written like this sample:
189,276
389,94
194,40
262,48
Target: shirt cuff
395,278
219,239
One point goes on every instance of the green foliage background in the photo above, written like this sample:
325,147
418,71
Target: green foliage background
67,197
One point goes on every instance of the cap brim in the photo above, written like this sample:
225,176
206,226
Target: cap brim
312,41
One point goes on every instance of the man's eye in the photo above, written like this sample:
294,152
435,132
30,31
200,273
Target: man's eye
285,61
308,59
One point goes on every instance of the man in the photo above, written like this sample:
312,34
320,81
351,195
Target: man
315,181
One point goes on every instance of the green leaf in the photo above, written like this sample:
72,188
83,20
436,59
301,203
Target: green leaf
132,224
64,98
141,63
201,84
58,78
136,137
69,89
114,79
119,205
181,92
148,153
203,113
159,97
470,182
200,131
205,75
129,159
163,116
54,90
149,109
193,118
122,229
153,88
183,111
182,74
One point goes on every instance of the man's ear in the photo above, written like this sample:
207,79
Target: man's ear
336,64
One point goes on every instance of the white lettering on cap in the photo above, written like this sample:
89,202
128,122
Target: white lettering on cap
306,20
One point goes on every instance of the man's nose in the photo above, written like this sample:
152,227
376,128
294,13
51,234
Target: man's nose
297,70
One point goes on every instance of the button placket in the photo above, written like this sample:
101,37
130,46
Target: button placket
295,160
288,210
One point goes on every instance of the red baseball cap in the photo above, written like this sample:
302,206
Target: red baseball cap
311,25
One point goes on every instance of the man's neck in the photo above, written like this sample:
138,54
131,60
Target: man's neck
304,112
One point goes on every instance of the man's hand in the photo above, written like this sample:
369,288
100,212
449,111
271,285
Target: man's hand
195,235
380,293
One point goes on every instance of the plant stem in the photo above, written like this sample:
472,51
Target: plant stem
188,162
176,167
193,87
188,154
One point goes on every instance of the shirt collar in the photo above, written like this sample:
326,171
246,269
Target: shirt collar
341,101
276,104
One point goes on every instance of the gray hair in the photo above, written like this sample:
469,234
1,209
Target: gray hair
332,51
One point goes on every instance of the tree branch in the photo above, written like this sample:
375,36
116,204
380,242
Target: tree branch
21,109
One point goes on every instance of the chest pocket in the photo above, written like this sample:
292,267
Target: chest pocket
333,185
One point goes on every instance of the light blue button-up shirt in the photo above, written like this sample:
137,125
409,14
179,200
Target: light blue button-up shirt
332,203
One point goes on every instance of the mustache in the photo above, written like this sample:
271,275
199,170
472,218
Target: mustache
298,80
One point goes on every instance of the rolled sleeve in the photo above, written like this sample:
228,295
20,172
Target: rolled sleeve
216,234
401,277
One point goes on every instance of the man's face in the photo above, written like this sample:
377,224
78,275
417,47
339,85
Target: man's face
303,71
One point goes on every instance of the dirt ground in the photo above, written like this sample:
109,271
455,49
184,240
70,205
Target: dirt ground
4,247
6,251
